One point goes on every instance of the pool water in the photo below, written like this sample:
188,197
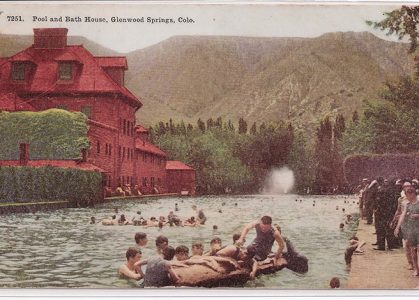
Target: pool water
61,248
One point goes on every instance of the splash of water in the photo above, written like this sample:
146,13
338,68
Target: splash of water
279,181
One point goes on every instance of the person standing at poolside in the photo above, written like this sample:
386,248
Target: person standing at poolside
261,246
411,215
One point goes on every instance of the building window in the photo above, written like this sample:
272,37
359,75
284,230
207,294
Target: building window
125,126
18,71
128,153
144,181
110,149
65,71
152,181
87,110
159,181
123,152
98,147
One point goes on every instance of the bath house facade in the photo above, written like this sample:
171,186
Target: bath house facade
53,74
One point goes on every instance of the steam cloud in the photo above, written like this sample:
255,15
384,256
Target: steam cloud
279,181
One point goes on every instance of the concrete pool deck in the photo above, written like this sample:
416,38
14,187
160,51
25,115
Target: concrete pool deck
379,269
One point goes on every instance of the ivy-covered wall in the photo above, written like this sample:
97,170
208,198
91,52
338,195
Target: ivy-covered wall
52,134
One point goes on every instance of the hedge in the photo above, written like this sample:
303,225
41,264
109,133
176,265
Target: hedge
24,184
52,134
390,166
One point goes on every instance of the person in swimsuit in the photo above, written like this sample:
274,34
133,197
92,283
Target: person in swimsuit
159,270
215,245
130,269
201,218
140,239
261,246
182,253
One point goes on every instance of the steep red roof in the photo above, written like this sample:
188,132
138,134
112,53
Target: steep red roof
89,77
149,148
21,56
177,165
67,56
12,102
112,61
69,164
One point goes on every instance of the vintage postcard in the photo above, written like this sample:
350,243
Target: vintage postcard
219,146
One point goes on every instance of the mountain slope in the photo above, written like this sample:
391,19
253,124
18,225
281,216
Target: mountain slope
262,79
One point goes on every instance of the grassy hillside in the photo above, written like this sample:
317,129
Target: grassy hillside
262,79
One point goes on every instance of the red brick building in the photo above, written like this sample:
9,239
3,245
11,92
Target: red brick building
52,74
180,177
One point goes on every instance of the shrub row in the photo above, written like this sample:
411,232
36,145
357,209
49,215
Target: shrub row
24,184
390,166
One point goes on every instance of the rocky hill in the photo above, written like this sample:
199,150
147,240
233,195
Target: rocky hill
263,79
259,79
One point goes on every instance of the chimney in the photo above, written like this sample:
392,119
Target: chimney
50,38
23,154
83,155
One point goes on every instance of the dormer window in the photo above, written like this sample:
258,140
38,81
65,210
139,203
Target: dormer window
18,71
65,71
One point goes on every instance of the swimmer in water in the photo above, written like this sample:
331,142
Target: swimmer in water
182,253
129,269
215,245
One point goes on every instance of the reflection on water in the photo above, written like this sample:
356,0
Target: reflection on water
62,249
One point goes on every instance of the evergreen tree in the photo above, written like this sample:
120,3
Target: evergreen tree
210,123
242,126
182,128
253,129
339,127
171,127
201,125
230,126
323,150
262,127
162,129
355,117
401,22
219,123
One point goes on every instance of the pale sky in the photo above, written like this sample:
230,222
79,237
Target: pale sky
254,20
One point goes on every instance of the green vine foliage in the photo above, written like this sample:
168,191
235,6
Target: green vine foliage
52,134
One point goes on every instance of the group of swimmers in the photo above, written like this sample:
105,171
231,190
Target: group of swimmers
159,271
171,220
